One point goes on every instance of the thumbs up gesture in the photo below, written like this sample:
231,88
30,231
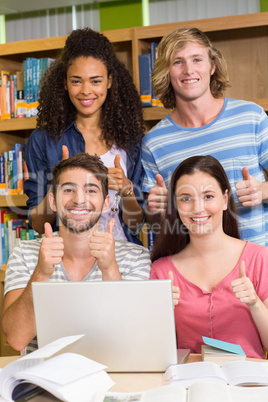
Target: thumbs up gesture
175,289
157,199
102,247
50,253
65,152
249,191
117,179
243,287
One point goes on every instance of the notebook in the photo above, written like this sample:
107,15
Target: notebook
128,325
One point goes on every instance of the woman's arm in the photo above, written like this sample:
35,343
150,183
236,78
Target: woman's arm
244,290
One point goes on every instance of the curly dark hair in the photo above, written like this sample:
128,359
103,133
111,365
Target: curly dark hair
122,121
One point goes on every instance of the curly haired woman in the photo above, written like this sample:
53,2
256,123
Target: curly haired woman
88,103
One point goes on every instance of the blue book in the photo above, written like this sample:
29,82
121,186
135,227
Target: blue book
15,169
145,67
19,150
25,87
2,176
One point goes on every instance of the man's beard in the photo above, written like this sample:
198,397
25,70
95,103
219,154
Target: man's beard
83,226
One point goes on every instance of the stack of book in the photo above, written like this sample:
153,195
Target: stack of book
12,171
146,66
19,90
14,227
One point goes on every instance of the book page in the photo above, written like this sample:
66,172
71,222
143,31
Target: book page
246,372
211,392
187,374
167,393
61,369
80,390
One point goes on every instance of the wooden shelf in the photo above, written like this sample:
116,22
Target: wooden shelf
9,201
26,123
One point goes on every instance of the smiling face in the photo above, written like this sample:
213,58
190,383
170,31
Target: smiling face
190,72
87,84
200,203
79,200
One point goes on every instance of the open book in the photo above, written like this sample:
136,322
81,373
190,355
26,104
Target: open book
233,373
68,376
201,391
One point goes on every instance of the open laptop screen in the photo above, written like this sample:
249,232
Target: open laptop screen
129,325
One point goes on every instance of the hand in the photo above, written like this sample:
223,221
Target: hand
102,247
50,253
243,288
249,191
157,199
116,176
65,152
175,290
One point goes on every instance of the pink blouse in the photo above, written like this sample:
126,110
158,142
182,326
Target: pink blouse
218,314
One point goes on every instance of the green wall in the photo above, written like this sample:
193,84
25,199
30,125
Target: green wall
121,14
264,5
2,29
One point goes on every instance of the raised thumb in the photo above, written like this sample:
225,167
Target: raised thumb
160,181
48,230
117,161
245,173
170,276
242,269
110,226
65,152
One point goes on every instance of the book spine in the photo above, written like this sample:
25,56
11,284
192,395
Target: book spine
15,172
2,176
18,151
12,96
145,79
21,105
10,171
4,262
4,102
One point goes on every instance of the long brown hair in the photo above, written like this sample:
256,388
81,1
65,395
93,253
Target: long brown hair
174,236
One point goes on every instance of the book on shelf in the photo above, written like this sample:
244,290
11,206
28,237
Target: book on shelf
12,171
68,376
5,113
21,104
145,68
14,227
203,391
12,98
233,373
19,90
221,352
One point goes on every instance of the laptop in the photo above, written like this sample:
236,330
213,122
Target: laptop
128,325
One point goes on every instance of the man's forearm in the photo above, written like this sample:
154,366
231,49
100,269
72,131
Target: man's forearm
18,322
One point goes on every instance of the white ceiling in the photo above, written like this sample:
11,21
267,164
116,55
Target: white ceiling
21,6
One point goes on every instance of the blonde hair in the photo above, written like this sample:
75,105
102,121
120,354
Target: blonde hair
175,41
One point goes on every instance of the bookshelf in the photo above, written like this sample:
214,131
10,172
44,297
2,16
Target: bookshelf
243,40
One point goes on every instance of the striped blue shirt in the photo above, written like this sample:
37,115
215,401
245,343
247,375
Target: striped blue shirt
238,137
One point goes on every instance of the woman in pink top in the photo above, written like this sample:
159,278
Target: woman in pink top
220,282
